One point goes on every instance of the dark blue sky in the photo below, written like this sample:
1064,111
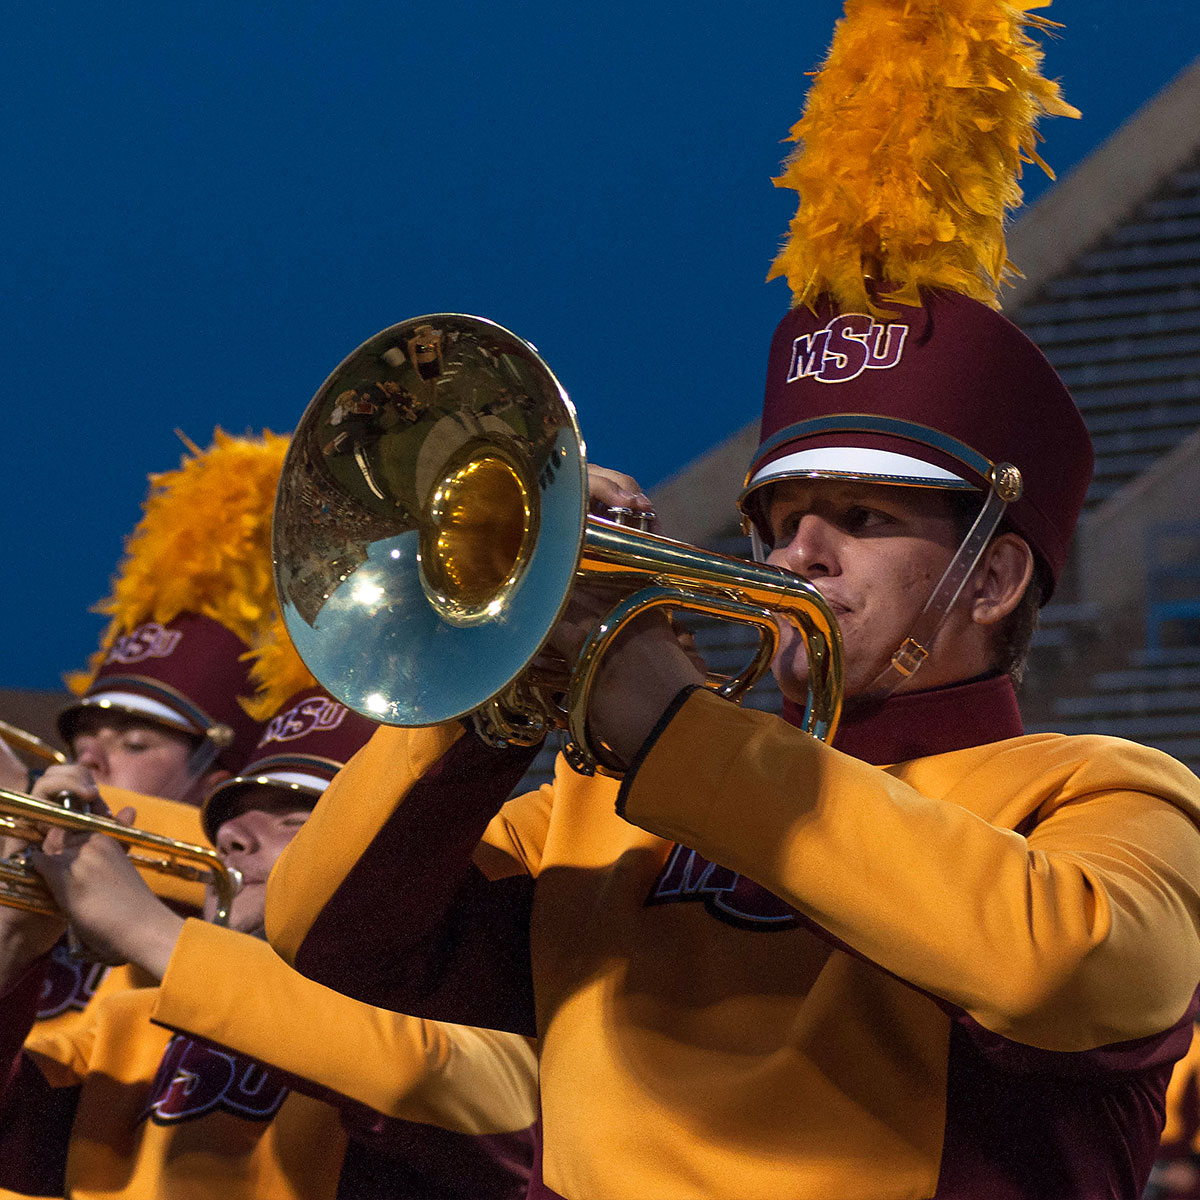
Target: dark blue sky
206,207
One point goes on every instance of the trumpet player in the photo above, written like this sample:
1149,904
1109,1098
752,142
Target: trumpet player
158,719
937,959
236,1076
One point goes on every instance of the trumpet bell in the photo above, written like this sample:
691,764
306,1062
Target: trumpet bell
429,519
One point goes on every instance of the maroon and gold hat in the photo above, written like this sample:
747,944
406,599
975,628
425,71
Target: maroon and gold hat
193,594
185,675
893,364
301,749
943,395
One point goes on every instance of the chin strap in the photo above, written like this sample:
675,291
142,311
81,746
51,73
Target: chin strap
1005,489
215,739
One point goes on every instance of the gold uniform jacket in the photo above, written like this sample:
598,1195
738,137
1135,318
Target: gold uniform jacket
765,968
239,1078
71,983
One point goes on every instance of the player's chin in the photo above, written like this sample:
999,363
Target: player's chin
791,674
247,914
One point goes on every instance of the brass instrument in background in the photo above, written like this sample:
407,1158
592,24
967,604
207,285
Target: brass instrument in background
431,523
25,742
27,819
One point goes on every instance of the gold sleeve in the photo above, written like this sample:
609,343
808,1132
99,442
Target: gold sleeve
1048,939
467,1080
351,812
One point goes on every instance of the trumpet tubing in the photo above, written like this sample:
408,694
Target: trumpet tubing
27,818
29,743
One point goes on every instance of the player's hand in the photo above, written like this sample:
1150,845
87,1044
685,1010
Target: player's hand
25,936
610,489
640,674
646,667
111,910
68,777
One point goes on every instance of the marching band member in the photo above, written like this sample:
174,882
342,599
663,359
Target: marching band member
236,1076
939,958
160,718
158,710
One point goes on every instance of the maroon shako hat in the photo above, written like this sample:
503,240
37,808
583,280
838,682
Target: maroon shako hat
192,595
185,675
949,395
301,749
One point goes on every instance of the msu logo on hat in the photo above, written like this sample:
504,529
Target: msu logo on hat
316,714
186,674
847,346
150,640
302,749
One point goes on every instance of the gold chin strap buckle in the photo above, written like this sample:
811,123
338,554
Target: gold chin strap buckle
1007,482
909,657
220,736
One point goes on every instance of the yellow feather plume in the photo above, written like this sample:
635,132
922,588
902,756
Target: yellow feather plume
278,673
910,150
203,545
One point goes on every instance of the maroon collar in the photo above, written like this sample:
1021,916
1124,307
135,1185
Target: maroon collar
918,724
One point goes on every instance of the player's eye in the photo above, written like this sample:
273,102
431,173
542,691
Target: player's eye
783,528
861,519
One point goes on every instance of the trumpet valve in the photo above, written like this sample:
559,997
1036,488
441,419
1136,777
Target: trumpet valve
630,518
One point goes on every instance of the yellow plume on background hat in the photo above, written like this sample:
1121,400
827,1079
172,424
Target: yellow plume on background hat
278,672
203,545
910,148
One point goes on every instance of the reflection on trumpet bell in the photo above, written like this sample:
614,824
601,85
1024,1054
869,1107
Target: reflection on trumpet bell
428,519
27,819
25,742
432,522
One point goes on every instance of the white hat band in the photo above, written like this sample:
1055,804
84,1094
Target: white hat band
858,461
301,779
132,702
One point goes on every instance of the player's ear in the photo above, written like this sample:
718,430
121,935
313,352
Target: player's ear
212,777
1001,578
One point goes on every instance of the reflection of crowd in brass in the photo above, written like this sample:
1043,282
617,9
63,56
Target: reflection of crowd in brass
881,944
405,412
339,533
359,414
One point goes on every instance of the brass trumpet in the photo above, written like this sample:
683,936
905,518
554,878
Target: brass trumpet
430,525
26,818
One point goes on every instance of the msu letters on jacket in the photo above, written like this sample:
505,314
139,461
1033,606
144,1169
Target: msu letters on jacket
988,959
253,1093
